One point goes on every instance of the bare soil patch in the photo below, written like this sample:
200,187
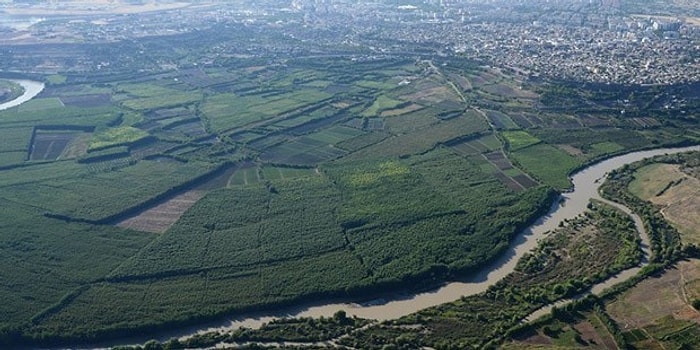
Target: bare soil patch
159,218
655,298
571,150
595,336
678,193
432,95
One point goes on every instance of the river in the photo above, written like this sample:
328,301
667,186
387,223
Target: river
31,89
586,184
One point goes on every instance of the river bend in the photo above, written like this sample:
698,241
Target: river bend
31,89
586,184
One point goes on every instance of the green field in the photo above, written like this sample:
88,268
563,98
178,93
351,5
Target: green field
312,178
519,139
382,103
116,136
98,194
225,112
40,104
547,164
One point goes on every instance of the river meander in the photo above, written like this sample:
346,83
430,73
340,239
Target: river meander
586,185
31,89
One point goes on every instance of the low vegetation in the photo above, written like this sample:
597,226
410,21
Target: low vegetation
310,175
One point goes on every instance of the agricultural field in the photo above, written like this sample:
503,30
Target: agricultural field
41,104
547,164
160,217
659,312
585,331
576,254
676,191
519,139
201,192
116,136
51,144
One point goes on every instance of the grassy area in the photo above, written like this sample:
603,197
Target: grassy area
674,188
382,103
606,148
546,163
116,136
40,104
344,179
228,111
519,139
422,140
651,179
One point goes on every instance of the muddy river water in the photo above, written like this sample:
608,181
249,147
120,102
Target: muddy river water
570,205
586,183
31,89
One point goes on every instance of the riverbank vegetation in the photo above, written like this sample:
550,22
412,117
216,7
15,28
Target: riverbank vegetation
560,267
9,90
320,178
654,309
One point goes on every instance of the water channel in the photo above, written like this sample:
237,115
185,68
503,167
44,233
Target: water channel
586,183
572,204
31,89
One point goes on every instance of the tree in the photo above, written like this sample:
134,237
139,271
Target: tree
340,316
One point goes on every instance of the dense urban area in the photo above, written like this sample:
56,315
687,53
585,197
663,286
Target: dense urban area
593,41
386,174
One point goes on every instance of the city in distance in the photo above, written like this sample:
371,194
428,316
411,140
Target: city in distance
350,174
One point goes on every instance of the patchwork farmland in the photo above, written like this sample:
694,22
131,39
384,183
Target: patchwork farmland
269,184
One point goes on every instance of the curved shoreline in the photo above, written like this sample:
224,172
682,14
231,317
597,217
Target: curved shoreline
31,89
586,183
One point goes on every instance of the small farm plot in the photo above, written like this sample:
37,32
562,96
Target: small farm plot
50,144
116,136
520,119
191,129
519,139
422,140
307,115
40,104
412,107
483,144
374,124
508,90
381,104
499,159
501,121
301,151
335,134
245,176
229,111
411,121
547,164
282,173
160,217
145,97
362,141
15,139
92,100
